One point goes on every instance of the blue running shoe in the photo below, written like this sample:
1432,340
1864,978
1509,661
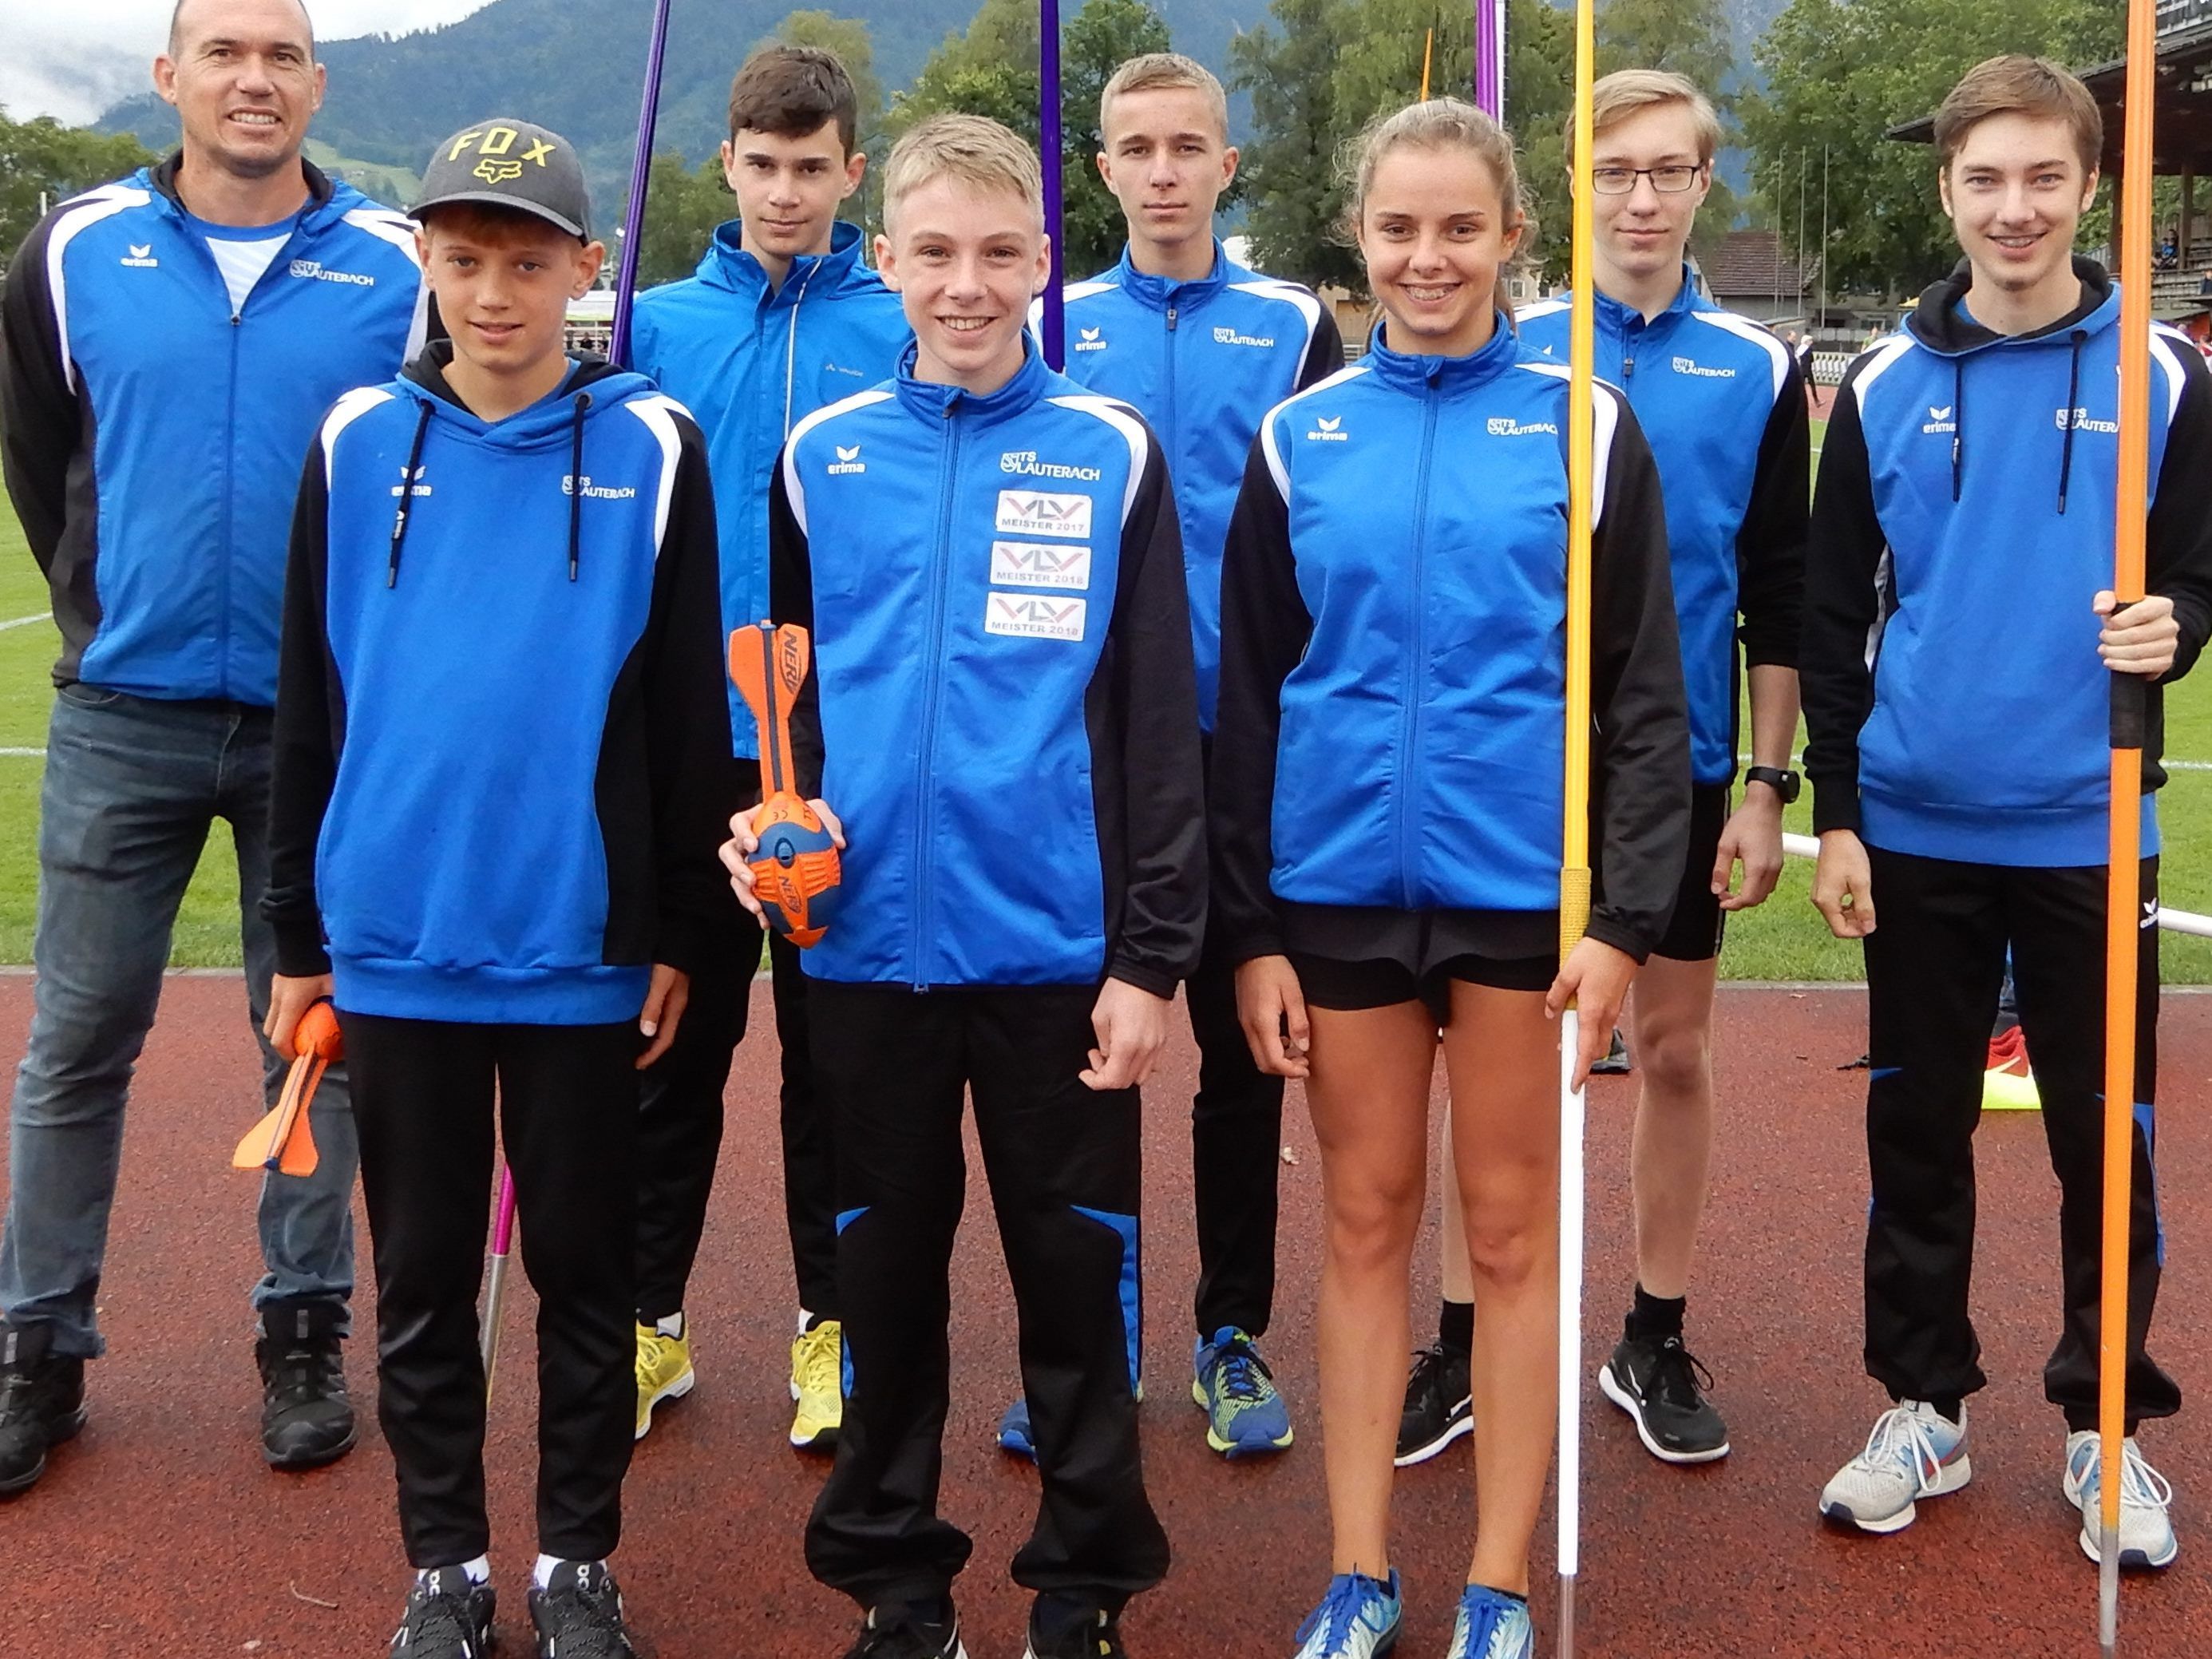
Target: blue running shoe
1491,1625
1244,1415
1014,1432
1357,1619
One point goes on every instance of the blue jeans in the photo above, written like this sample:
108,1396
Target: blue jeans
131,787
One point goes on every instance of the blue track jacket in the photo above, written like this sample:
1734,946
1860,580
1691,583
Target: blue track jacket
1955,706
1002,709
1723,403
750,362
502,761
153,438
1202,361
1394,638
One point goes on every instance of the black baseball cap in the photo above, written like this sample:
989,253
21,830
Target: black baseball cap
506,162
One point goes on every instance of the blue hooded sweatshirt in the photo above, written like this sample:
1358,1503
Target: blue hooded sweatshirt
502,766
751,361
1955,704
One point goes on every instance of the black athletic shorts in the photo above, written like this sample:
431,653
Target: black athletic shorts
1693,933
1331,982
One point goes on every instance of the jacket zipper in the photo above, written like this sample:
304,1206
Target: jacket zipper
1171,400
1409,735
941,559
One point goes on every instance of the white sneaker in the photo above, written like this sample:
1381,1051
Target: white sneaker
2147,1537
1914,1452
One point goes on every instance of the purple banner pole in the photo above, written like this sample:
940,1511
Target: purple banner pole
1049,144
1490,57
641,171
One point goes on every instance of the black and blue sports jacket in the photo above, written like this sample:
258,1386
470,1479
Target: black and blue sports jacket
1003,709
1393,656
502,752
153,436
1955,705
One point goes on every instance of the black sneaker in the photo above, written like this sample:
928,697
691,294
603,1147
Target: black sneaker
896,1631
41,1403
1656,1380
1061,1627
579,1614
448,1617
306,1417
1439,1405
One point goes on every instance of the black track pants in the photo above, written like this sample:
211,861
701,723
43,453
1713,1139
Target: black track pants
422,1095
810,1146
1064,1165
680,1131
1236,1143
1934,962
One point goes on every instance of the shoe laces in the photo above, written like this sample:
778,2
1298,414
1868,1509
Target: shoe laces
1431,1367
1348,1596
1241,1376
587,1617
1677,1377
898,1637
1902,1435
2141,1485
435,1613
653,1348
820,1360
304,1373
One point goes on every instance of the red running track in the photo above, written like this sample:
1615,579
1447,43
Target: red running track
160,1532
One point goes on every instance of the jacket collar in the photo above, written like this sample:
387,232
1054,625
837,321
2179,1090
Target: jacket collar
162,176
1616,317
934,402
1939,324
1409,373
1160,293
727,264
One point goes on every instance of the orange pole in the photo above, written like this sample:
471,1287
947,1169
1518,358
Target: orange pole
2122,931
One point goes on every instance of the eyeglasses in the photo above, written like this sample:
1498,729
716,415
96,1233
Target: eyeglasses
1621,181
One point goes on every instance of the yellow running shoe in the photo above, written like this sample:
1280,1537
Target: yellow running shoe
664,1370
818,1384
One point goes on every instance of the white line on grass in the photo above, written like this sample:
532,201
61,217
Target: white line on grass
23,622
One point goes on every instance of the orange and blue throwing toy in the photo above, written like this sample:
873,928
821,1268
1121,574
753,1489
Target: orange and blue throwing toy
795,869
283,1141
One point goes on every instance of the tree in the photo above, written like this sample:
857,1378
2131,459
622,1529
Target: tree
41,159
1287,67
1688,37
682,208
848,39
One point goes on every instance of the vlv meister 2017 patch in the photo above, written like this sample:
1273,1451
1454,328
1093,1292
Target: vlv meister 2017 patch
1038,513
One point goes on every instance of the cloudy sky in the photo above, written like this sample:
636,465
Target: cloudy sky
72,59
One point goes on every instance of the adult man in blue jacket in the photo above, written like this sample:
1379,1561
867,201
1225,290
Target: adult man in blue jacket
781,319
172,340
1203,349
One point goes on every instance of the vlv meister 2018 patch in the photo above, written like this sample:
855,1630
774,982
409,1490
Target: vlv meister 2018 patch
1033,616
1039,564
1039,513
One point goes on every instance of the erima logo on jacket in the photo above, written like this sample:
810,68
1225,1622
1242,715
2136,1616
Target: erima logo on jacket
142,256
1328,429
1939,419
848,461
1087,339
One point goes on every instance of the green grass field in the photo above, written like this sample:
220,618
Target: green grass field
1784,939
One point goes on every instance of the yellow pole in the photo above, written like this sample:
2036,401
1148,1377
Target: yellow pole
1574,859
1428,51
2122,887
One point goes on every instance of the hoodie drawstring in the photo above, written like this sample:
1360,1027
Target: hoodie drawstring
407,493
2073,391
1958,423
583,402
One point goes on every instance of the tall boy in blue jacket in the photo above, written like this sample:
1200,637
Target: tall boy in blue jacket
781,319
1958,690
502,760
1203,349
1004,711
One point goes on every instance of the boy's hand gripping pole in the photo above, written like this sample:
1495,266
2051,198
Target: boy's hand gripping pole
2122,932
284,1140
1574,862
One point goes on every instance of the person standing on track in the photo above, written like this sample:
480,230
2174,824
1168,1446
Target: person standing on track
171,340
1961,794
502,768
1723,405
1202,347
1387,799
781,319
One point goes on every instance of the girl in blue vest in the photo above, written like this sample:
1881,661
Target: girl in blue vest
1387,795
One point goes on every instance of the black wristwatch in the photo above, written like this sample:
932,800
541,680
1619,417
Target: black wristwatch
1782,781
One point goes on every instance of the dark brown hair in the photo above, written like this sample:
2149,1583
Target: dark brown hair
2018,85
790,91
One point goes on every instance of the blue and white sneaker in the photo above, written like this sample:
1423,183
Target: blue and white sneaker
1491,1625
1357,1619
2147,1537
1014,1431
1914,1452
1244,1415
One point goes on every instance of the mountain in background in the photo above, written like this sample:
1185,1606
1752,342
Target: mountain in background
580,69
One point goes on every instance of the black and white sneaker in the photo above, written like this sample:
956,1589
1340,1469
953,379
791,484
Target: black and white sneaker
448,1617
1657,1382
1439,1405
896,1631
579,1614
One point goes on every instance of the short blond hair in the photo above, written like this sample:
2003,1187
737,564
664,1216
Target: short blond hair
2020,85
977,151
1620,94
1158,71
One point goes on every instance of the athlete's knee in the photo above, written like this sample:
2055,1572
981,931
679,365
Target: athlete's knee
1375,1227
1678,1060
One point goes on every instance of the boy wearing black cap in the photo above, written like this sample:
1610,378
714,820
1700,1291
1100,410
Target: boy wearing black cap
502,754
